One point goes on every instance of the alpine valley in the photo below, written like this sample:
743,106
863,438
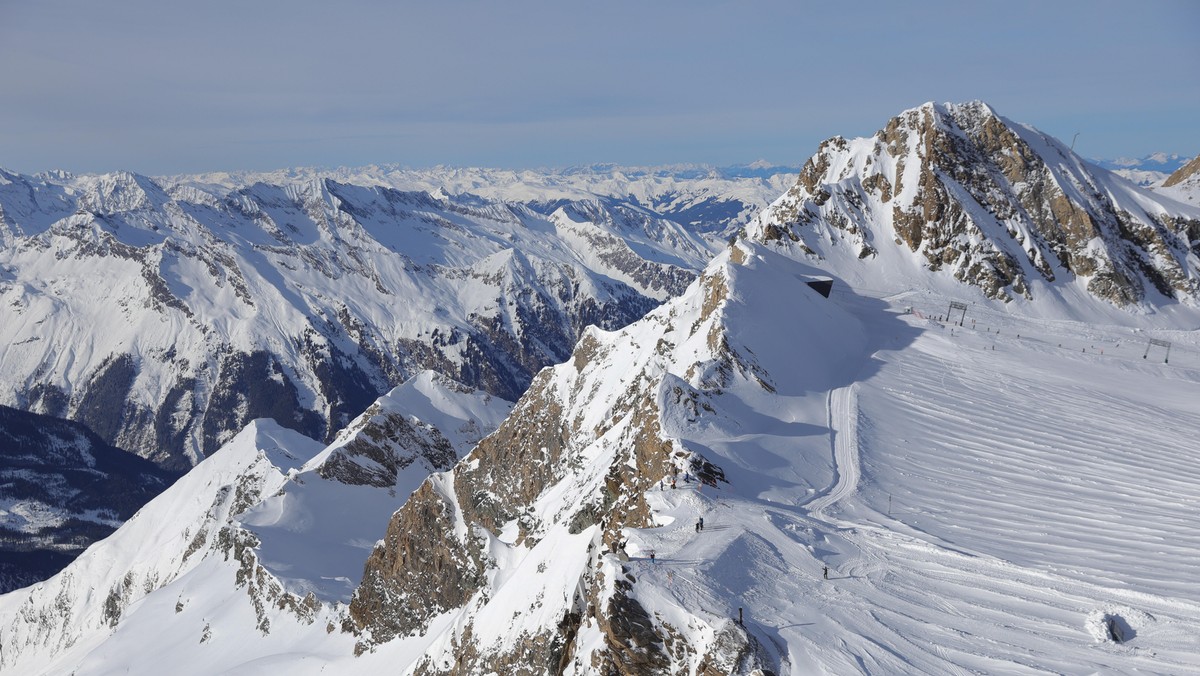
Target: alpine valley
931,410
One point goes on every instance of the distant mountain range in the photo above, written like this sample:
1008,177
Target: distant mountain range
166,315
1149,171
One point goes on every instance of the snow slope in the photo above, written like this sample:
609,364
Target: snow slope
985,502
316,532
1184,184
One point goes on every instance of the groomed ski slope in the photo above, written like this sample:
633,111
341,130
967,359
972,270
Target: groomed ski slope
992,499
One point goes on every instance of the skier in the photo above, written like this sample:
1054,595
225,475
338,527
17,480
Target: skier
651,556
701,524
826,570
697,526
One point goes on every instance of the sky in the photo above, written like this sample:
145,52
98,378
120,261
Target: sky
174,87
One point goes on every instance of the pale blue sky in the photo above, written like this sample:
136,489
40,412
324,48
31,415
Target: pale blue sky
166,87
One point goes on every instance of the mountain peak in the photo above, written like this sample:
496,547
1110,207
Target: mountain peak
959,189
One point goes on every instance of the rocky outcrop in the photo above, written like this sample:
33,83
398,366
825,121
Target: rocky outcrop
998,205
385,446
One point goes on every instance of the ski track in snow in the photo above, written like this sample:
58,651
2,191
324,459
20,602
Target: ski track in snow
843,433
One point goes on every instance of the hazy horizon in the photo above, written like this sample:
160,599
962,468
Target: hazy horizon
162,89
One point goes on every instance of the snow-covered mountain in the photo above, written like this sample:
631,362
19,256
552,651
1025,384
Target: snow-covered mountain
165,315
63,488
982,495
961,192
881,490
271,530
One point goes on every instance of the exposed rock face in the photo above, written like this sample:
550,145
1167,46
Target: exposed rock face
205,308
384,447
1184,185
998,205
557,488
421,427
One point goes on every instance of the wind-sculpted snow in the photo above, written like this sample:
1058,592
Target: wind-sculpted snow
168,315
960,192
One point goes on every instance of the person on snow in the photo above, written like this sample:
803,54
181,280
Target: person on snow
826,571
701,524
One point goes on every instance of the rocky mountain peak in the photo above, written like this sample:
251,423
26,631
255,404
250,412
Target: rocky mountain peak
997,205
